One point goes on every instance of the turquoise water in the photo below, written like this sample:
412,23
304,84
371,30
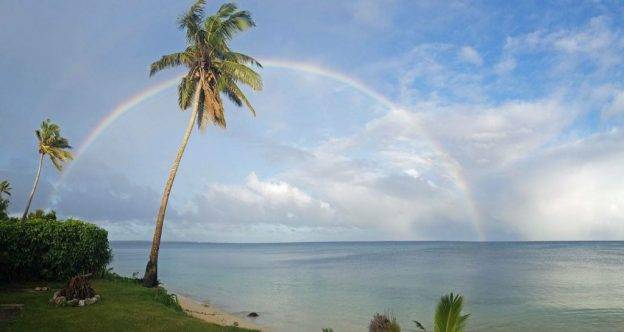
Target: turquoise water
560,286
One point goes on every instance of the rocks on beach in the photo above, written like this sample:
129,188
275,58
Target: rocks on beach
253,314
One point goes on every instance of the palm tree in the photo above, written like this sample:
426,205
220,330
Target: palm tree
448,317
213,69
51,143
5,188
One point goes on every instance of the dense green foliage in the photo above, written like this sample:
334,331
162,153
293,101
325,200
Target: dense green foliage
125,306
42,215
4,205
42,248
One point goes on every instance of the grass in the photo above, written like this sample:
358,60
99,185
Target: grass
125,306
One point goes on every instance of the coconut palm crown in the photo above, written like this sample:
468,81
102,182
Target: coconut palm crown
5,188
52,144
213,70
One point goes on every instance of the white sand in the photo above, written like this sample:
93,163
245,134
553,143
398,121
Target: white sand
214,315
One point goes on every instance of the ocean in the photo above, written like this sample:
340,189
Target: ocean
507,286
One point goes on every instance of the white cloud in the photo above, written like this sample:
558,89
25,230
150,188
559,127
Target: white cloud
482,135
433,69
260,202
373,13
505,66
596,42
574,192
616,105
470,55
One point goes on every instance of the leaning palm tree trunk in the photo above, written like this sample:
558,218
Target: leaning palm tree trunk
32,192
150,279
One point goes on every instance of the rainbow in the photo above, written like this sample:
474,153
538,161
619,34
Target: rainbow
453,167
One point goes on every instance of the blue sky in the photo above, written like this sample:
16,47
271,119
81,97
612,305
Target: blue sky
507,122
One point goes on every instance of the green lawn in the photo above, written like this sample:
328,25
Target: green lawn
125,306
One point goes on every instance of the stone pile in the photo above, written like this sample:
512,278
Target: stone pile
78,292
61,300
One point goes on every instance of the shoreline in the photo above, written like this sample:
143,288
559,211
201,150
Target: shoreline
215,315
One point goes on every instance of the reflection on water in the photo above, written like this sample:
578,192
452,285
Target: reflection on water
575,286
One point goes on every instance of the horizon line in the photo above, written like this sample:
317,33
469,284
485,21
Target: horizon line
379,241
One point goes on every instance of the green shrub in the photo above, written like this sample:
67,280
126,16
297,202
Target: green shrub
169,300
41,214
51,250
4,205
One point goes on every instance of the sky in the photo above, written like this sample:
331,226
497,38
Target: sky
379,120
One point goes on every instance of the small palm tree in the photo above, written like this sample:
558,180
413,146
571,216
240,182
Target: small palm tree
213,69
52,144
448,317
5,188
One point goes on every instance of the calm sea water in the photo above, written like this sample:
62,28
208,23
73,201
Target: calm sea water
561,286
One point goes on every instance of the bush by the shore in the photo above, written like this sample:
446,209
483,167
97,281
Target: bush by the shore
46,249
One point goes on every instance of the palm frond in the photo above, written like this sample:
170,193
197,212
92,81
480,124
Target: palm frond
241,58
210,107
226,10
237,22
5,188
168,61
213,107
448,317
203,116
234,93
191,21
241,73
54,145
57,163
186,90
60,143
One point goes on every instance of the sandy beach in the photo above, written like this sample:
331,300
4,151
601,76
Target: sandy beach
214,315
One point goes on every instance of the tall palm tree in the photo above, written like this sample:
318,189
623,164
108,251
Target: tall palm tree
448,317
51,143
213,69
